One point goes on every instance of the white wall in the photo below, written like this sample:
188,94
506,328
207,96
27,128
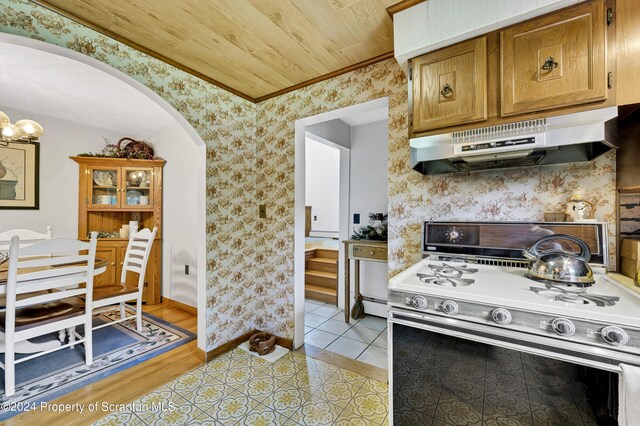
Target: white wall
322,187
58,174
336,131
59,192
369,194
179,213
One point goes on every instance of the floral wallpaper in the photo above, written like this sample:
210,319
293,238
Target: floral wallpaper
224,121
516,194
275,142
251,161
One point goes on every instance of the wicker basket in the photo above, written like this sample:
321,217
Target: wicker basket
263,343
134,149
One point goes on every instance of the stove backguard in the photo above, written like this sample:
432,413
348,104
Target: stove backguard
507,240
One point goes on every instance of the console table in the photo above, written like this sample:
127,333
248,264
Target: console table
357,250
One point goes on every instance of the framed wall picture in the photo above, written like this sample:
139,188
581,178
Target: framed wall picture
19,175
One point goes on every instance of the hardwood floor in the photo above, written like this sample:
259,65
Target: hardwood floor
127,385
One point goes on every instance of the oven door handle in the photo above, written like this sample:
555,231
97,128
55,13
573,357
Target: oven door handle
576,353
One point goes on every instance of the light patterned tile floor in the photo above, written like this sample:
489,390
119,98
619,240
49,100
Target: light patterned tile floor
239,389
364,340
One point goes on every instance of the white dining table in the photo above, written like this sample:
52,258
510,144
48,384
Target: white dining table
25,346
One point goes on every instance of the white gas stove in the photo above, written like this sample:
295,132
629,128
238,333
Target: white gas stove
467,324
475,295
603,315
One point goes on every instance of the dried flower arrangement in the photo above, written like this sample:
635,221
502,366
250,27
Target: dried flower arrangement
125,148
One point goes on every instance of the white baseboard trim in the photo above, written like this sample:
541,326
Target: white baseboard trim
324,234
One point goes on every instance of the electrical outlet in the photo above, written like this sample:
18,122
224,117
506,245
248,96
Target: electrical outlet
315,218
356,218
262,211
186,269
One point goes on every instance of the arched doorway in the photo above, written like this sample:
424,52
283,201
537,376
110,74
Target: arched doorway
136,108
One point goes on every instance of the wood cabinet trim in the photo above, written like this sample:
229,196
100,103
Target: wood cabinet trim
123,162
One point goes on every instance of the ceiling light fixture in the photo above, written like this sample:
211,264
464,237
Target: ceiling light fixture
24,131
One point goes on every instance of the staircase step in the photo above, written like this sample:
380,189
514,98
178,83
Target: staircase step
320,293
324,279
327,253
322,264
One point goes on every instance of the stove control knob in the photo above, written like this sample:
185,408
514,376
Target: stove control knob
563,327
450,307
419,302
501,316
615,335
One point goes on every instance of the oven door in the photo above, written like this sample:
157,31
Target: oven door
443,373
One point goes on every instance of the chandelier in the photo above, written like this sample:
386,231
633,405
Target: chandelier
24,131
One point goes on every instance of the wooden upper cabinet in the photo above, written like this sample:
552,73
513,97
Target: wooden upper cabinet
554,61
628,52
450,86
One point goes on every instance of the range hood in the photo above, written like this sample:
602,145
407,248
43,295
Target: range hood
569,138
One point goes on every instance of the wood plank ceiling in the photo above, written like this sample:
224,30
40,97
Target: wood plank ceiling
255,48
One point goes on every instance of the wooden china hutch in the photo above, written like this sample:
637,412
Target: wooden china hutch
112,192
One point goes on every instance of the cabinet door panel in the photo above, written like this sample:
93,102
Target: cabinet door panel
137,188
109,276
104,187
449,86
628,52
555,61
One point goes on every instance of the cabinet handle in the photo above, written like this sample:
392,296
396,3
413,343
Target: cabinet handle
371,252
549,64
446,90
121,263
113,263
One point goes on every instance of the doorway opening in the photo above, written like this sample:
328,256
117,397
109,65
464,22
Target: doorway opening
78,99
355,141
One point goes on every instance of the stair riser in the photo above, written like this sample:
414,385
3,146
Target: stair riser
310,294
314,265
324,282
327,254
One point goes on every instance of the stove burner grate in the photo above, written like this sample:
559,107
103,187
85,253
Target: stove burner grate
447,275
580,296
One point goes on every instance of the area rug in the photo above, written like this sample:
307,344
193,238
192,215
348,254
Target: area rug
115,348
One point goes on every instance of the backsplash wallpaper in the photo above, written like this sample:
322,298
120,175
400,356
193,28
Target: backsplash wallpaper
250,161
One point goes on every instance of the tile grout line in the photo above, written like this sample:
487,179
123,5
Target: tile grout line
369,345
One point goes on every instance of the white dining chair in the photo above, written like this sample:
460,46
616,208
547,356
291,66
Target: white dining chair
27,237
58,268
115,295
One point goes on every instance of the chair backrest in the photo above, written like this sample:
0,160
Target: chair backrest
59,263
27,237
137,255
